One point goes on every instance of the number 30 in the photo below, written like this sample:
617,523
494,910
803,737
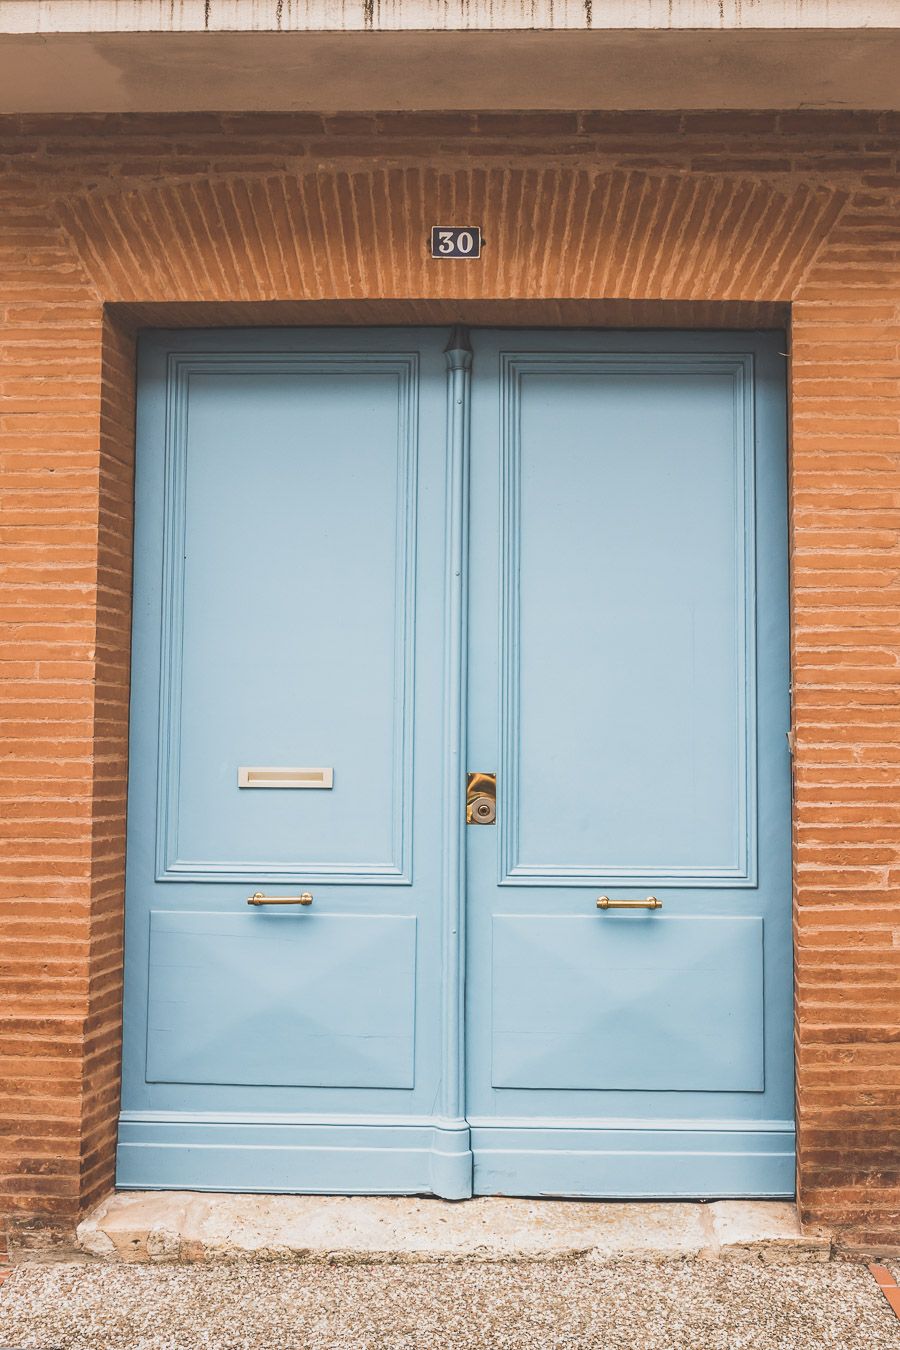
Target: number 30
464,242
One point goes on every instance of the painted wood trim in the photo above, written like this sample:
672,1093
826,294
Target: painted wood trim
456,550
170,865
740,366
395,1156
624,1160
284,1155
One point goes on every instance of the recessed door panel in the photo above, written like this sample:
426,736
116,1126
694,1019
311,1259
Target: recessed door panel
312,1000
645,1003
287,618
629,642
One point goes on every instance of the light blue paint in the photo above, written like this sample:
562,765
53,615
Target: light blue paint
596,607
629,679
610,467
275,486
639,1001
453,1171
339,1155
262,998
631,1160
290,568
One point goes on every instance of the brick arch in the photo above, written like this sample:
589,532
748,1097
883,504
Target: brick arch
552,232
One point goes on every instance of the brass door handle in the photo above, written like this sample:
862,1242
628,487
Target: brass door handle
604,902
257,898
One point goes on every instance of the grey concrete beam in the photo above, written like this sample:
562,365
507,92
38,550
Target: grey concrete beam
468,71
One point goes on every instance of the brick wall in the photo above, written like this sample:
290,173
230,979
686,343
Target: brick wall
692,220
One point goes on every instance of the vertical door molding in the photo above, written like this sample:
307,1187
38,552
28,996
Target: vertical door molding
452,1164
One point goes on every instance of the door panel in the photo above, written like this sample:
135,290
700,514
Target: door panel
629,682
628,656
324,1001
643,1002
289,593
288,615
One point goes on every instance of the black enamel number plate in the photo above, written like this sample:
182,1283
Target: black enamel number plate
456,241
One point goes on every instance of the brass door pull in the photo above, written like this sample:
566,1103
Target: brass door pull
604,902
257,898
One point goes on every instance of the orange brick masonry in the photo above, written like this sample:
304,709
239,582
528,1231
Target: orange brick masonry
107,224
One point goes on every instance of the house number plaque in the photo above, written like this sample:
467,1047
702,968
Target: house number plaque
456,241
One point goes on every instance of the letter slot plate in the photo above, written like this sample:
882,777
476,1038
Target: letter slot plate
285,778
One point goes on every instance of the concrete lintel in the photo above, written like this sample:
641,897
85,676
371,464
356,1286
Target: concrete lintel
245,16
418,71
187,1226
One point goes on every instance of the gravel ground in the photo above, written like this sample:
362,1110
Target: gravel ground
635,1305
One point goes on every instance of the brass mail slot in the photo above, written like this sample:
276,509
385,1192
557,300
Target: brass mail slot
285,778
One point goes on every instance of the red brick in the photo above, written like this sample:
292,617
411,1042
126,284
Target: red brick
704,219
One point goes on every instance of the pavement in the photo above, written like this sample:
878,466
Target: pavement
181,1270
689,1303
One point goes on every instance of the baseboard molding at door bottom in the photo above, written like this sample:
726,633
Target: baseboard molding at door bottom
626,1161
158,1151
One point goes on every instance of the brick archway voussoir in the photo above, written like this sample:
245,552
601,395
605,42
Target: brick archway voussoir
551,233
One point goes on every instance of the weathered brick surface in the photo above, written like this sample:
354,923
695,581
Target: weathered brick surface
594,218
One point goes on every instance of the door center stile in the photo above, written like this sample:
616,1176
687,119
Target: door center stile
458,354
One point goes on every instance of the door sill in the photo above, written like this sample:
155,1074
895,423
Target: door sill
181,1226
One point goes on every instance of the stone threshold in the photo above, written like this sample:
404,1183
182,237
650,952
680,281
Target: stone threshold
183,1226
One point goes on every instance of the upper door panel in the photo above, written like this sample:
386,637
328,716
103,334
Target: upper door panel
287,619
628,643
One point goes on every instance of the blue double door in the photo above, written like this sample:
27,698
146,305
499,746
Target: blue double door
367,564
